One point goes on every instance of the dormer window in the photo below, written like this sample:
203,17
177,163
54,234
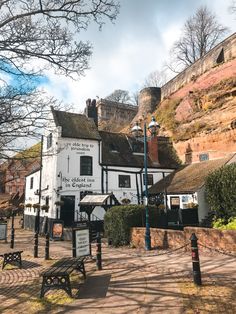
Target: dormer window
113,148
137,147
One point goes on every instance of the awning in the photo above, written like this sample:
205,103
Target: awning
95,199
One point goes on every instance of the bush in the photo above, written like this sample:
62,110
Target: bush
119,219
222,225
220,191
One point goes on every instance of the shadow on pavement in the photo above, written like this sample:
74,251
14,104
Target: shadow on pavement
94,287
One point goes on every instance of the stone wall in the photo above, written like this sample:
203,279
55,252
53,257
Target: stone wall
201,66
148,100
165,238
119,112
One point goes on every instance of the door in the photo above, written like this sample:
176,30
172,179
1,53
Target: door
68,210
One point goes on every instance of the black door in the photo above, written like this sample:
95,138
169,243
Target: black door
68,210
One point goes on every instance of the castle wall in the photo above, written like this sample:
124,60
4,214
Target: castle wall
109,110
225,50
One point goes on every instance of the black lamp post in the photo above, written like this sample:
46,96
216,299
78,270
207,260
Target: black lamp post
153,128
12,230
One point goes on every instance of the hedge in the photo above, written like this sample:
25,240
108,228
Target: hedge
119,219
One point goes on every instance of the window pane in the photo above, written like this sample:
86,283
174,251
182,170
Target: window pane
124,181
203,157
86,166
150,179
31,183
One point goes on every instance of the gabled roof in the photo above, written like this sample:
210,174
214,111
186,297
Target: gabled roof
75,125
188,179
117,151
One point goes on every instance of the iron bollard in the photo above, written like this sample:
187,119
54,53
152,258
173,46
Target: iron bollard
47,247
36,242
195,260
12,232
99,252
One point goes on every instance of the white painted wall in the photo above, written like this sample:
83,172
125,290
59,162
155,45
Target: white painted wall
203,207
130,193
30,196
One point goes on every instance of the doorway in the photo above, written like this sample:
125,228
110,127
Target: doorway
68,210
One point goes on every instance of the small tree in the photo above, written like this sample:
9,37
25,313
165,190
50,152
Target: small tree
156,79
119,95
220,191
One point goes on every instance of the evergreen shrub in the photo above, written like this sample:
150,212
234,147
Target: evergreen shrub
220,191
119,219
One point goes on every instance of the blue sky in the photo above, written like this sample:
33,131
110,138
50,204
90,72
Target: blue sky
126,52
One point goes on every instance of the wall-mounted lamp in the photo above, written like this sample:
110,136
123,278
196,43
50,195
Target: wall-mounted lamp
59,174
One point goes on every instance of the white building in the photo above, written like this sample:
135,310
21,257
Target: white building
78,160
185,187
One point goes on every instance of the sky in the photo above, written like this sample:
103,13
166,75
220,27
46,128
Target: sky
138,43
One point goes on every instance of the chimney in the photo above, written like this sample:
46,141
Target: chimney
153,150
91,110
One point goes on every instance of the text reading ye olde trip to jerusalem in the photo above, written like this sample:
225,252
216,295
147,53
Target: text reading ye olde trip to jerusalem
80,148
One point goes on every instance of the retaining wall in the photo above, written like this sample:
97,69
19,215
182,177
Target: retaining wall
224,240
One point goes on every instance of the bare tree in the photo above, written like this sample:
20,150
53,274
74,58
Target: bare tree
155,79
36,35
119,95
134,98
47,30
22,116
201,33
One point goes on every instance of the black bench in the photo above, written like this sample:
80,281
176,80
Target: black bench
13,257
57,276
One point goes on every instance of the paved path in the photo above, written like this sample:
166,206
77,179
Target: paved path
131,281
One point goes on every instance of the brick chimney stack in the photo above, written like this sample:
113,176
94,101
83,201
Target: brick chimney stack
153,150
91,110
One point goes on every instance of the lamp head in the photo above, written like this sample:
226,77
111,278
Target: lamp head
153,127
136,130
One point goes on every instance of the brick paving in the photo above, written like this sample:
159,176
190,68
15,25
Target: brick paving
132,281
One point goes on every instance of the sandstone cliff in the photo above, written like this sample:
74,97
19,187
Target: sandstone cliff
201,116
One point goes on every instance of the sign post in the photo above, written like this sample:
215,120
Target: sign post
80,241
3,231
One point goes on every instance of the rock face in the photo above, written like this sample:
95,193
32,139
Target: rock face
205,118
198,108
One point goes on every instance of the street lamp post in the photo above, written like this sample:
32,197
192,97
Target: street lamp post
137,131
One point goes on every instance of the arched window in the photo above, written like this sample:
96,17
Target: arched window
86,166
